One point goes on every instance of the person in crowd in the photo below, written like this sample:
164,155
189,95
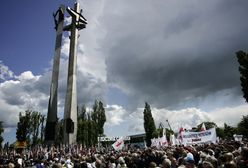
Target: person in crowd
222,155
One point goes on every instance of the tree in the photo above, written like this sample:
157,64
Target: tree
1,131
23,127
99,119
229,131
29,127
243,69
82,134
220,132
90,131
82,113
35,126
149,125
42,129
242,127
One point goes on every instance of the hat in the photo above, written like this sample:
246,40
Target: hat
189,157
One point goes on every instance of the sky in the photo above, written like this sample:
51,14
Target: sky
179,56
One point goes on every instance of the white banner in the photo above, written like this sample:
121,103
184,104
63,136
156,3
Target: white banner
104,139
237,137
174,140
119,144
159,142
208,136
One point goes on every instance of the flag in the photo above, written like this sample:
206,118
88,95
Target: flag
154,142
203,128
164,132
180,135
119,144
173,140
181,130
163,141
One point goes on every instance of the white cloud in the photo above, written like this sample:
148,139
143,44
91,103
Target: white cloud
229,115
138,47
90,56
187,118
114,115
27,75
65,48
5,72
20,94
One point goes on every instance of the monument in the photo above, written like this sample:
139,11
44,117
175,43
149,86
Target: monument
52,105
70,110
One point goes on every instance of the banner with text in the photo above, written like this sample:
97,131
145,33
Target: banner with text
208,136
119,144
106,139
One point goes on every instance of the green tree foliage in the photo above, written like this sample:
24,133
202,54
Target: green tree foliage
149,125
101,118
243,69
29,127
243,126
1,131
82,113
42,129
35,126
23,127
98,120
90,125
229,131
82,134
220,132
37,121
90,131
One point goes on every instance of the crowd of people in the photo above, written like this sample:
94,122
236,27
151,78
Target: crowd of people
222,155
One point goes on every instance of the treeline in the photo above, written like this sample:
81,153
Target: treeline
90,125
225,132
30,127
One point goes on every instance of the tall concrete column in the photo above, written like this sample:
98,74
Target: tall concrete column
70,111
51,123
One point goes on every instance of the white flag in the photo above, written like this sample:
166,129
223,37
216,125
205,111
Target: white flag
173,140
119,144
203,127
163,141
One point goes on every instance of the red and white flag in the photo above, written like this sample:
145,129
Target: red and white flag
203,128
181,130
119,144
163,141
180,135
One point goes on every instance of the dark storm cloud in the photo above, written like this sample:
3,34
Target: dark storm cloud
89,88
168,52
